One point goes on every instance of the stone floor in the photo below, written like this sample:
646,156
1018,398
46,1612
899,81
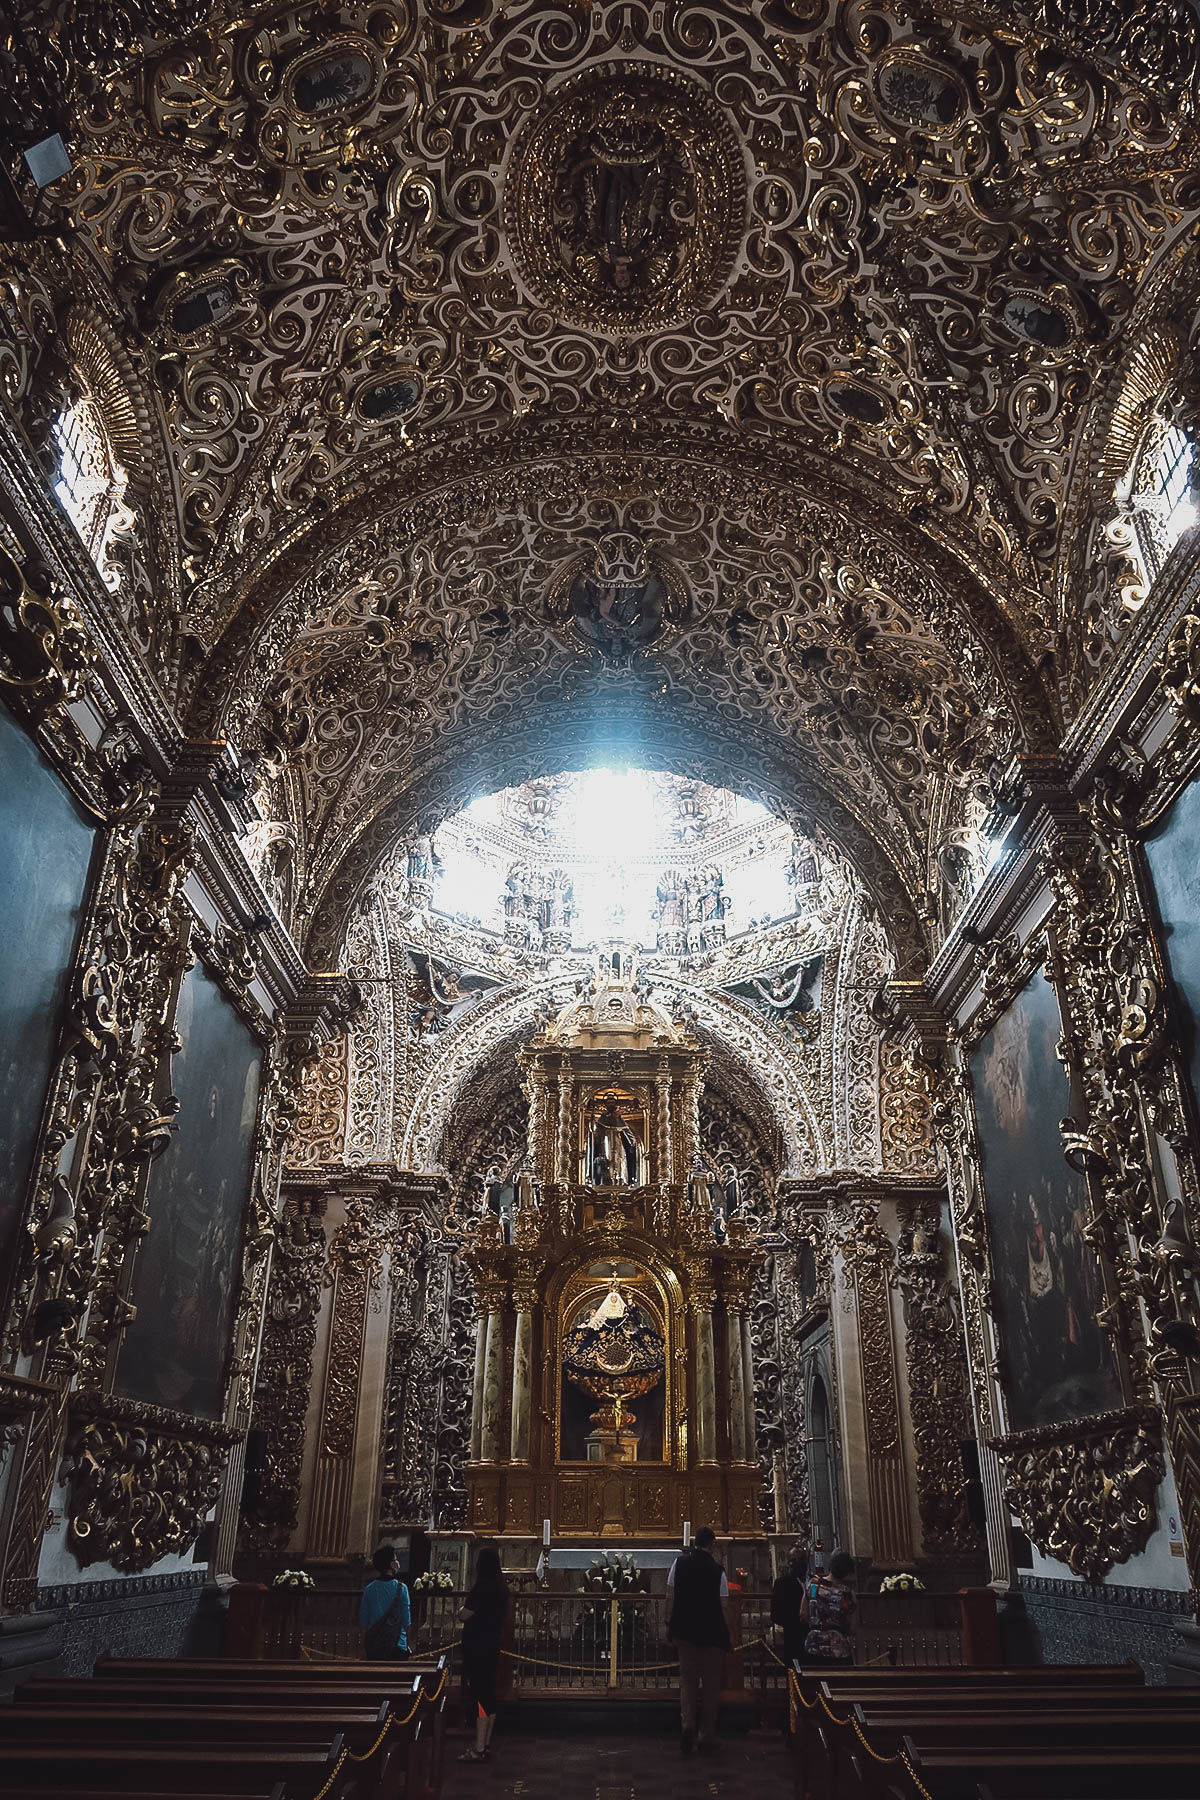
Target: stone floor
619,1767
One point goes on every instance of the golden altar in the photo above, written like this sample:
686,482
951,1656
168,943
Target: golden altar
615,1283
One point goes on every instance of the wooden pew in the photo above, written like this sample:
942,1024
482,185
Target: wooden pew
87,1711
182,1668
136,1768
977,1727
821,1745
1145,1729
949,1688
278,1792
1072,1774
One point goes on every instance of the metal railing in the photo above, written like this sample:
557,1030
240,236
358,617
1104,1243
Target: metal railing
596,1642
592,1641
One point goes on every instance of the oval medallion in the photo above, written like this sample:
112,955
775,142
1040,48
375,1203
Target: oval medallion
393,398
625,199
336,79
924,95
204,306
1034,319
856,400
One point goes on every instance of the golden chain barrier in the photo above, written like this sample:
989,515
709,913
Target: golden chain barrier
629,1668
796,1692
348,1755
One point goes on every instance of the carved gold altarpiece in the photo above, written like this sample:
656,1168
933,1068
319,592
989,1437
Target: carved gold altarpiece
611,1278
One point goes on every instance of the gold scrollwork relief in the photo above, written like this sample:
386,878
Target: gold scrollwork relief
141,1480
1085,1491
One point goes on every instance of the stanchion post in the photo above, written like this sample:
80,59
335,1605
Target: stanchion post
614,1633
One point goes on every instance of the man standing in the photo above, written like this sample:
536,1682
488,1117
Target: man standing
700,1631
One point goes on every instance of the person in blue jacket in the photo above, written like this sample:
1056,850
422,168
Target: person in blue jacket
384,1616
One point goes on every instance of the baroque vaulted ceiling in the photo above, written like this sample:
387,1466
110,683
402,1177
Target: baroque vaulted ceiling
750,386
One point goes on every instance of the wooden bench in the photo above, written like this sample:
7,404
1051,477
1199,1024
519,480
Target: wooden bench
299,1771
1073,1774
236,1683
832,1761
186,1713
964,1731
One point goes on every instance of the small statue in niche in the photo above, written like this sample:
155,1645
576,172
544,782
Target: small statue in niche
612,1151
420,859
731,1182
498,1197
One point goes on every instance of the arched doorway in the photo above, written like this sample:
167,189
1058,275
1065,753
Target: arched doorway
821,1465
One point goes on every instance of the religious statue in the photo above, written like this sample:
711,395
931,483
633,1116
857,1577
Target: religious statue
612,1151
617,601
621,190
498,1199
420,859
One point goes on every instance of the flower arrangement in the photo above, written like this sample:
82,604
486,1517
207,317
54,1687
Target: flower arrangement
904,1583
613,1574
432,1583
294,1578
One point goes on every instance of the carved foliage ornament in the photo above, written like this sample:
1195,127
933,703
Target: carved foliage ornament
141,1479
1085,1492
44,649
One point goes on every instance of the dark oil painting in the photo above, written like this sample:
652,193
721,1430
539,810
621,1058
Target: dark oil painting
185,1279
1049,1287
1174,858
45,854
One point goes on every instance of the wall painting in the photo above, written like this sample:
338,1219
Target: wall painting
185,1278
1058,1363
45,853
1175,871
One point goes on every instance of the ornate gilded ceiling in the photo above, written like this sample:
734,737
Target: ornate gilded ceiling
748,384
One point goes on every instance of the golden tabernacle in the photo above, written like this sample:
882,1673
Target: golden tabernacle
613,1392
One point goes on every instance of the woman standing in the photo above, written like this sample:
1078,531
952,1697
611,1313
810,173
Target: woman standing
384,1616
831,1606
483,1625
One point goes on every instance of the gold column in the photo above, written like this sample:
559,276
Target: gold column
493,1379
885,1466
748,1389
524,1298
737,1382
663,1158
701,1305
568,1174
481,1322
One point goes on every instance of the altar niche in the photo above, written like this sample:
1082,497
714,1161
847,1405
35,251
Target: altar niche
614,1147
613,1357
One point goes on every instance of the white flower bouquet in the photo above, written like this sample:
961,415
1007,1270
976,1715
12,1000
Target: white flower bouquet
294,1578
432,1583
904,1583
614,1573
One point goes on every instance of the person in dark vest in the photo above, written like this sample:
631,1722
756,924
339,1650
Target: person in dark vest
700,1631
383,1616
789,1606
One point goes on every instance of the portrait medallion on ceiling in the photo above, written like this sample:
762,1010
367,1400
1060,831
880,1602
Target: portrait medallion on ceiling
619,597
625,199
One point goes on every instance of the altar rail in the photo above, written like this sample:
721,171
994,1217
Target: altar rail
592,1642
